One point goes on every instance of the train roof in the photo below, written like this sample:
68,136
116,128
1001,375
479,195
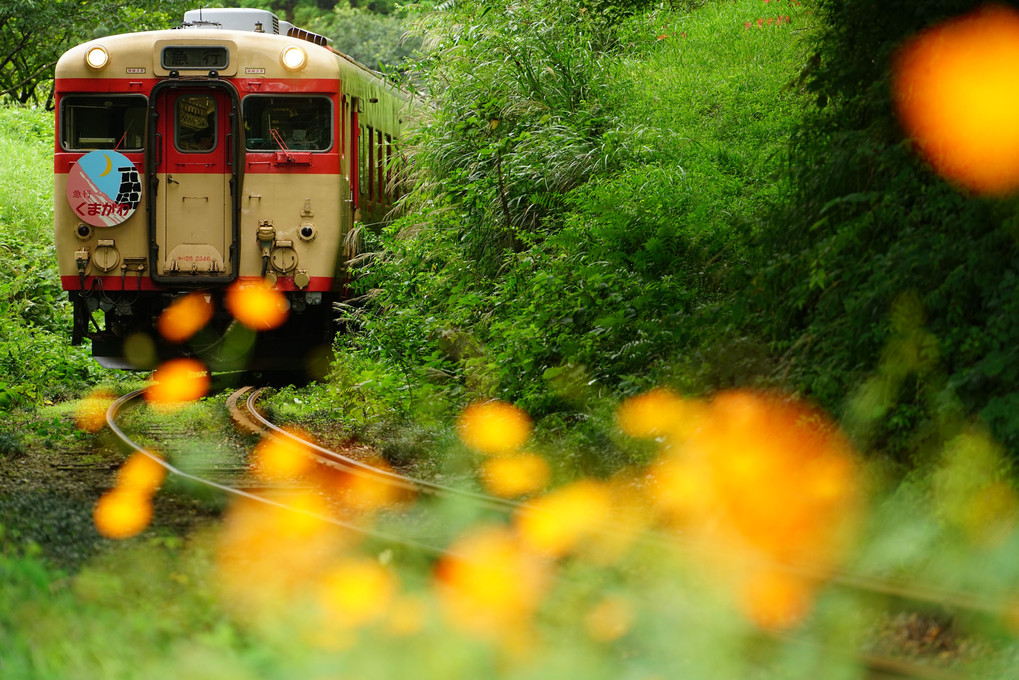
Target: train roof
253,40
247,19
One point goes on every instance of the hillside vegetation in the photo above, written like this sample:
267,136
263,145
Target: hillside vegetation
588,194
609,203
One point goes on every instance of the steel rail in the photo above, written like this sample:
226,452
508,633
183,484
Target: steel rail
873,584
360,468
876,665
111,415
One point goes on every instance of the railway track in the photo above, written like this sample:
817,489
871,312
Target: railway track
239,490
241,405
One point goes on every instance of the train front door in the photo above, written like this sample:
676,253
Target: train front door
194,225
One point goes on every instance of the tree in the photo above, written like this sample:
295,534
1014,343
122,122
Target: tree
34,33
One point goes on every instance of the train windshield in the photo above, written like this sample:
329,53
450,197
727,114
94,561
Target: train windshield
302,123
102,122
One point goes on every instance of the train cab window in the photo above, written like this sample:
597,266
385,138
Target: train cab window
299,123
90,122
195,123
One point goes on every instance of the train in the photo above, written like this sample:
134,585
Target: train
234,150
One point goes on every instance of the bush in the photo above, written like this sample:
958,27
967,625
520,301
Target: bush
872,226
583,202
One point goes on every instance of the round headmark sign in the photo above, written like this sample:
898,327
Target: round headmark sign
104,188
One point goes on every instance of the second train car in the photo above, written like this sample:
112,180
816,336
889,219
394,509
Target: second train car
237,149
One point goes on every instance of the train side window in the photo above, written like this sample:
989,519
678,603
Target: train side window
90,122
361,161
390,188
343,124
195,123
301,123
380,163
371,164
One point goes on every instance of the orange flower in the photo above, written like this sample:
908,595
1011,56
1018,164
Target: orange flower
357,592
256,305
657,413
557,523
178,381
516,475
90,415
184,317
140,473
490,585
956,88
122,514
776,600
766,479
494,427
281,458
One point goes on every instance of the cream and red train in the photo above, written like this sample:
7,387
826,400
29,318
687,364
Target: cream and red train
237,148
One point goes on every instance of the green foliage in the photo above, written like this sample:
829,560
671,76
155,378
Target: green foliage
35,361
377,40
519,120
34,33
582,219
870,224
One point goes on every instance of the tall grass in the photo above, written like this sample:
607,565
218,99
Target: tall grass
26,174
36,363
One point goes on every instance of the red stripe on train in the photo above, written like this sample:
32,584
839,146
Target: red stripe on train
326,163
244,85
132,283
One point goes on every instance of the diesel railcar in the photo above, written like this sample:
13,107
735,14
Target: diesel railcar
235,149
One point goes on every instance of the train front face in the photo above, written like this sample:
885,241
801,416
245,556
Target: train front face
192,161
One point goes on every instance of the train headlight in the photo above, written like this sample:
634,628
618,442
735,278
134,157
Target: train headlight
293,58
97,58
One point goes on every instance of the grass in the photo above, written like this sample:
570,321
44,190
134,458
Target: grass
26,183
36,364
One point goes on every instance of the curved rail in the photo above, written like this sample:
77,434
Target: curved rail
357,467
111,416
877,665
873,584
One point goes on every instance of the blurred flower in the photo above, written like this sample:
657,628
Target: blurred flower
658,413
628,517
268,556
764,480
281,458
956,88
140,473
303,518
515,475
610,619
356,592
558,522
185,316
494,427
178,381
256,305
90,415
364,491
122,513
140,351
774,599
489,585
969,493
